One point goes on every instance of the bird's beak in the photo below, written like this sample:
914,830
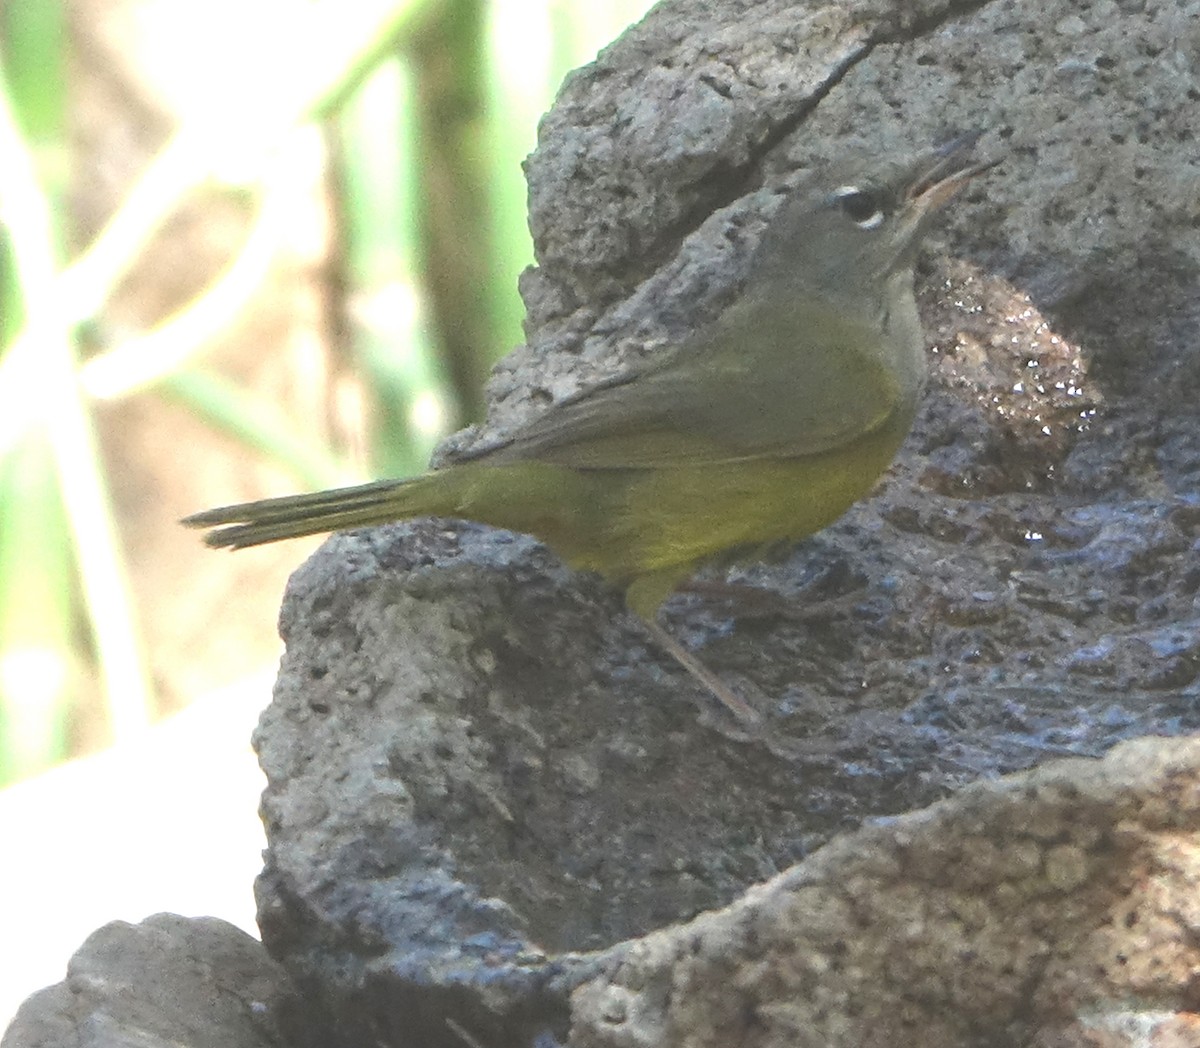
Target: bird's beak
941,173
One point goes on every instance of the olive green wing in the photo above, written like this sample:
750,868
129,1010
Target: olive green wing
798,388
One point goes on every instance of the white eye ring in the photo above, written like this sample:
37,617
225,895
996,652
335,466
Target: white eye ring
859,205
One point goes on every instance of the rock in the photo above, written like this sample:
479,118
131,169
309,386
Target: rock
486,785
1057,907
165,982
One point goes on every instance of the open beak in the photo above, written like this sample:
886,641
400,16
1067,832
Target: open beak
942,172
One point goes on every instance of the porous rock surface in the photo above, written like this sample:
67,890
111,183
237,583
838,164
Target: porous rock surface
166,982
1056,908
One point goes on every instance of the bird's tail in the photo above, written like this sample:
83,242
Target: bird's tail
556,504
269,520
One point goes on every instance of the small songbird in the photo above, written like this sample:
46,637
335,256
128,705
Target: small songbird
762,426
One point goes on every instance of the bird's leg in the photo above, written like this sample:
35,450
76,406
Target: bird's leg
732,702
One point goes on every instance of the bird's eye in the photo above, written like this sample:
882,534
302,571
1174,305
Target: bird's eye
864,207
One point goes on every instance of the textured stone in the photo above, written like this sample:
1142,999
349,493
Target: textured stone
921,932
166,982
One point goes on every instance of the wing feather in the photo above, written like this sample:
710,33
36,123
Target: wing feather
811,383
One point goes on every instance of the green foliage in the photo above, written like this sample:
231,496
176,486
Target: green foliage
430,107
36,607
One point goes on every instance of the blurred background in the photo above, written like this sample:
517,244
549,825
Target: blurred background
246,248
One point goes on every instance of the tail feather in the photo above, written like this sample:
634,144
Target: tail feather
291,516
556,504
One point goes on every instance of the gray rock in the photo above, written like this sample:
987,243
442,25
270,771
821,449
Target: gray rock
1054,908
484,780
164,983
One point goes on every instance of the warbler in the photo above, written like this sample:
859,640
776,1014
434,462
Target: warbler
764,425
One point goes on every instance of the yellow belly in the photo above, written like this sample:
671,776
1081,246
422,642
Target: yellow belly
662,524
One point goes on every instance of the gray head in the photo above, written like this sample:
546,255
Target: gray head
848,230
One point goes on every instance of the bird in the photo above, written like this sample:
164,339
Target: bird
762,426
